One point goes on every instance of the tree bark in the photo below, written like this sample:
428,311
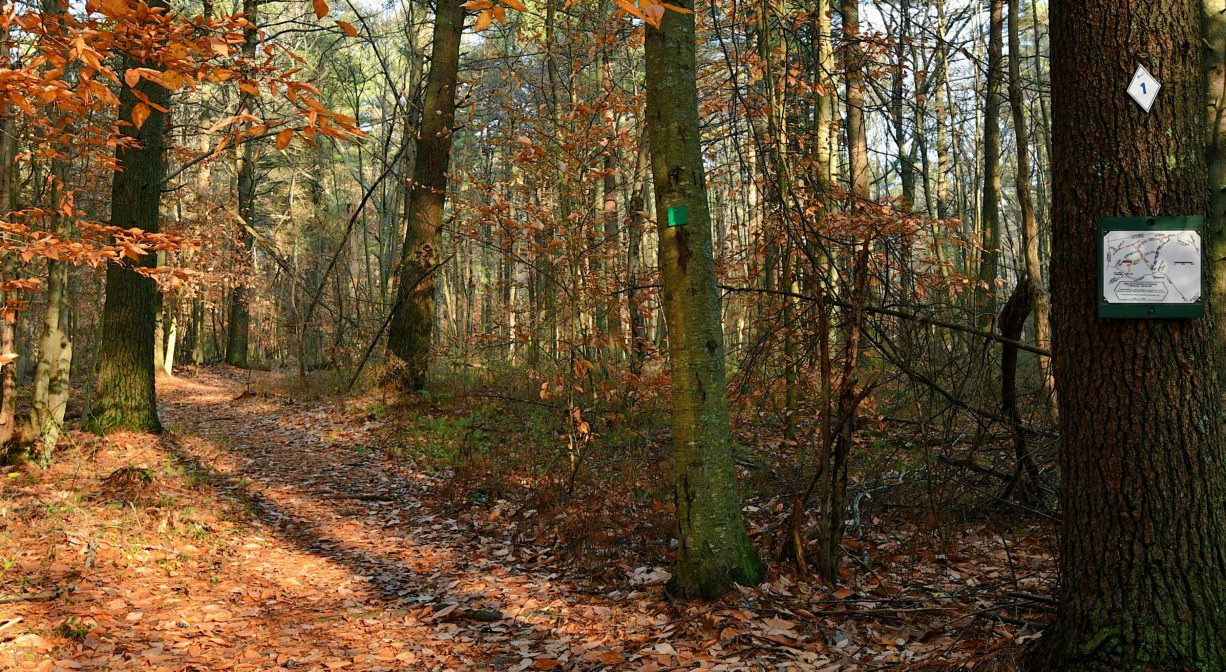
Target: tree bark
989,213
237,345
125,395
1214,12
715,551
52,368
412,326
8,262
1143,539
835,450
1030,225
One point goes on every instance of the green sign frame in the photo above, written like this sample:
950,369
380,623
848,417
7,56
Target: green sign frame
678,216
1137,311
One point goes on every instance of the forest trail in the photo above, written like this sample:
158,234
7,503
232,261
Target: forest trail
364,576
264,538
266,535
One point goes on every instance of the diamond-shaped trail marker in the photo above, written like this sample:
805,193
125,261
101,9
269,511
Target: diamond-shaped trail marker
1144,88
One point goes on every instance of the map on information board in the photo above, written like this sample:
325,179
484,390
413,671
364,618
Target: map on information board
1151,266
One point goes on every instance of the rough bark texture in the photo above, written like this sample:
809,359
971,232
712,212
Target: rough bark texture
413,315
1215,73
715,551
1143,545
125,396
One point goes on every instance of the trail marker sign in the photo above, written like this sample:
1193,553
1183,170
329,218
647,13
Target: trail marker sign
678,216
1144,88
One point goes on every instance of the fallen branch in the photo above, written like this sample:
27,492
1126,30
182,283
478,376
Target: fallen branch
11,598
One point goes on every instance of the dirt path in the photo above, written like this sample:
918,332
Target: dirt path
363,576
264,536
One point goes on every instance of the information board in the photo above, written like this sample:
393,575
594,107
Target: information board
1150,267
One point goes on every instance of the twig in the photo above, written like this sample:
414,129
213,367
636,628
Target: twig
35,597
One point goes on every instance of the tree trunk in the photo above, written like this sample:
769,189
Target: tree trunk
170,322
989,213
240,316
197,332
634,253
835,450
1143,539
125,396
8,260
1030,226
412,326
715,551
1215,72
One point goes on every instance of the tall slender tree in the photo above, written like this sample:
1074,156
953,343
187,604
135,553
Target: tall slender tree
1142,453
239,332
1030,225
715,551
989,209
836,449
412,326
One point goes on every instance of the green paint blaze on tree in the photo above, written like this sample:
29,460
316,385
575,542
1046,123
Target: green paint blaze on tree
125,396
412,324
1142,454
715,551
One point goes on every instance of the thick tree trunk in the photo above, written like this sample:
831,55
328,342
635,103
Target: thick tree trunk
1143,540
1215,72
125,396
715,551
989,213
412,327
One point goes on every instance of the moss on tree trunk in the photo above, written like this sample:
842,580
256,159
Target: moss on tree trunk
125,396
412,324
715,551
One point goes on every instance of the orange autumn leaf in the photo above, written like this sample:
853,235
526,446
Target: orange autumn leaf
284,137
139,114
484,19
348,28
321,8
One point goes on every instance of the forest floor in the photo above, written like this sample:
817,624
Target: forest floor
259,533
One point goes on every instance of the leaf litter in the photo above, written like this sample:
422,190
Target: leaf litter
252,537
